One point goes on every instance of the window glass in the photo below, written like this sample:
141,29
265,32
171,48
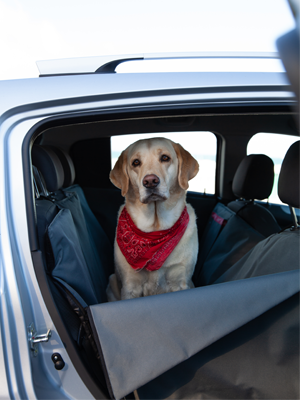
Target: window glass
275,146
202,146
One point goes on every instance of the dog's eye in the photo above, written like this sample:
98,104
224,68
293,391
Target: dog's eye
165,158
136,163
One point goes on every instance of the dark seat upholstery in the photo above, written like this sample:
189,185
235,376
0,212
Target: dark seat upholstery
234,230
254,180
289,179
97,235
82,255
281,251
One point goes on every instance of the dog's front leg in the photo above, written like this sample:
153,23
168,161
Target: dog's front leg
131,280
131,289
177,278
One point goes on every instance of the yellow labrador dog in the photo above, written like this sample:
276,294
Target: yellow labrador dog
156,243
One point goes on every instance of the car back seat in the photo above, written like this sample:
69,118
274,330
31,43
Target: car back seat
81,254
234,230
96,233
117,332
267,257
258,357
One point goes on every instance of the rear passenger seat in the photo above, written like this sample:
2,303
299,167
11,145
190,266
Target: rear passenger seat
97,235
76,248
230,233
234,230
79,256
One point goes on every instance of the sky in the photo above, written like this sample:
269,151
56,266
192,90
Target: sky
32,30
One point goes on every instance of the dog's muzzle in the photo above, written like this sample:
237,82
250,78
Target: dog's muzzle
151,183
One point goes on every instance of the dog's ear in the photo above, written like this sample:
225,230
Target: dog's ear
188,167
118,175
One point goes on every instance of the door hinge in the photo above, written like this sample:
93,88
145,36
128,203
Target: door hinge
34,338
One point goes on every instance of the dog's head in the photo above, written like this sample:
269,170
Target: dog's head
154,168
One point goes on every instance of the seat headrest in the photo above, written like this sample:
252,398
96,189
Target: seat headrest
288,182
48,163
68,165
254,177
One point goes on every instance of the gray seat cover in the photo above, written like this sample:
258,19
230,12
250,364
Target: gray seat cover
258,360
70,266
277,253
226,240
142,338
93,265
99,241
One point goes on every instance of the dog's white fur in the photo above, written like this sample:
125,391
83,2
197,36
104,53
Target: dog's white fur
153,210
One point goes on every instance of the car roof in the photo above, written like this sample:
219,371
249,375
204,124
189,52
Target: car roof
192,86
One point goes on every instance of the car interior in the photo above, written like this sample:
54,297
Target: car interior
73,217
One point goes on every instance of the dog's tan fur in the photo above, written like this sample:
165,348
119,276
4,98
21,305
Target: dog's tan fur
153,210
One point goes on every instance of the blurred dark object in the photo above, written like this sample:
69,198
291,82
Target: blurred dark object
288,48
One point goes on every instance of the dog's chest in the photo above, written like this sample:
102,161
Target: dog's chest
151,222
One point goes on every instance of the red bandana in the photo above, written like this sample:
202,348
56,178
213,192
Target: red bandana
148,249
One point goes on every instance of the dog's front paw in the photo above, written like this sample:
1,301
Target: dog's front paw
131,293
182,285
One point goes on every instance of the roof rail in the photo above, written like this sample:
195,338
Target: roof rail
108,64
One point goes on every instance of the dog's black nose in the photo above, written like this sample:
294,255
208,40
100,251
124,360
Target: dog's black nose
151,181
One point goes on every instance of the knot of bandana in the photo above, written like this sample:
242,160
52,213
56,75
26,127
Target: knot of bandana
148,250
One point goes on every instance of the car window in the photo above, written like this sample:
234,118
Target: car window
202,146
275,146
